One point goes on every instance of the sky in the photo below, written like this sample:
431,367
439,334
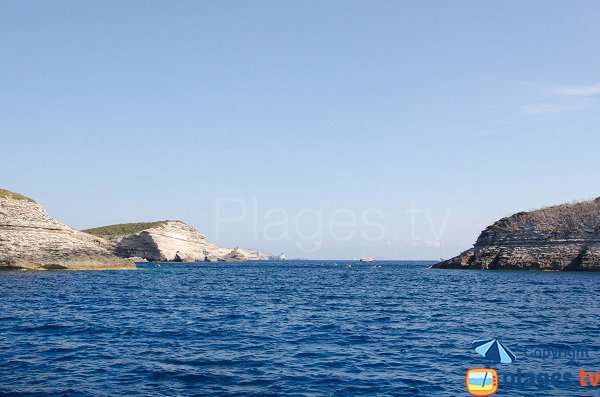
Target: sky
339,129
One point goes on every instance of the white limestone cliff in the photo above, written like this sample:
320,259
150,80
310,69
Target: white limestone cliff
32,239
169,241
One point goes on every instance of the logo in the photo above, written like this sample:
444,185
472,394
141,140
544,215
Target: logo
494,350
593,378
482,381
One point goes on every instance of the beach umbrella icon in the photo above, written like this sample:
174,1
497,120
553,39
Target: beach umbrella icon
493,350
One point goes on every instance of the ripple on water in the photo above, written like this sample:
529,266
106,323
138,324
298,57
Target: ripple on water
290,329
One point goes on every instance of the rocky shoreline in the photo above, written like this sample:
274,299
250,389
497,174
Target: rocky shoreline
168,241
33,240
30,239
559,238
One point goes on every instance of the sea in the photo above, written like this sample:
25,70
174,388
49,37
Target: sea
295,328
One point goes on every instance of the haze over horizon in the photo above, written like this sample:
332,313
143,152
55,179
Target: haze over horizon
328,130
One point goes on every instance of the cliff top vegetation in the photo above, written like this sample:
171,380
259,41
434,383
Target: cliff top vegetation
15,196
123,229
576,216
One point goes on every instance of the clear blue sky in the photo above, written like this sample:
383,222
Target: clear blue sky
124,111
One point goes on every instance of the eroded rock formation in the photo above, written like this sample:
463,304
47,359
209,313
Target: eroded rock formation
169,241
563,237
32,239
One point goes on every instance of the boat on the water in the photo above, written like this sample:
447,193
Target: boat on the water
368,260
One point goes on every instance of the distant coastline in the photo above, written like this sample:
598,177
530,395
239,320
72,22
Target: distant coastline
559,238
33,240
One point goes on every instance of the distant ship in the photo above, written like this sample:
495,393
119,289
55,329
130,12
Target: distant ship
367,260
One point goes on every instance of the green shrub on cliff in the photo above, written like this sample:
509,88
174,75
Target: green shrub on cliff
15,196
123,229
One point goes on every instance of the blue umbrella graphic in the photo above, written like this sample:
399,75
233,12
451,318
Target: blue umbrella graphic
493,350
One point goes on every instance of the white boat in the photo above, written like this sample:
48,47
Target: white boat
369,260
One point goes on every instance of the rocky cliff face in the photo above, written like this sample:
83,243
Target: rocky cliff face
564,237
168,241
32,239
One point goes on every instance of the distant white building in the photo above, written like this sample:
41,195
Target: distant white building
280,257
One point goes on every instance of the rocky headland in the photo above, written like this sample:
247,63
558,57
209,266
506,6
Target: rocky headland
32,239
563,237
168,241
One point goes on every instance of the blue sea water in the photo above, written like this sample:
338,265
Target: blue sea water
293,329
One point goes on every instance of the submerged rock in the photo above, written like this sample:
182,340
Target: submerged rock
32,239
168,241
563,237
137,259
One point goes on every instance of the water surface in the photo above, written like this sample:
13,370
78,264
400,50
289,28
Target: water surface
290,328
